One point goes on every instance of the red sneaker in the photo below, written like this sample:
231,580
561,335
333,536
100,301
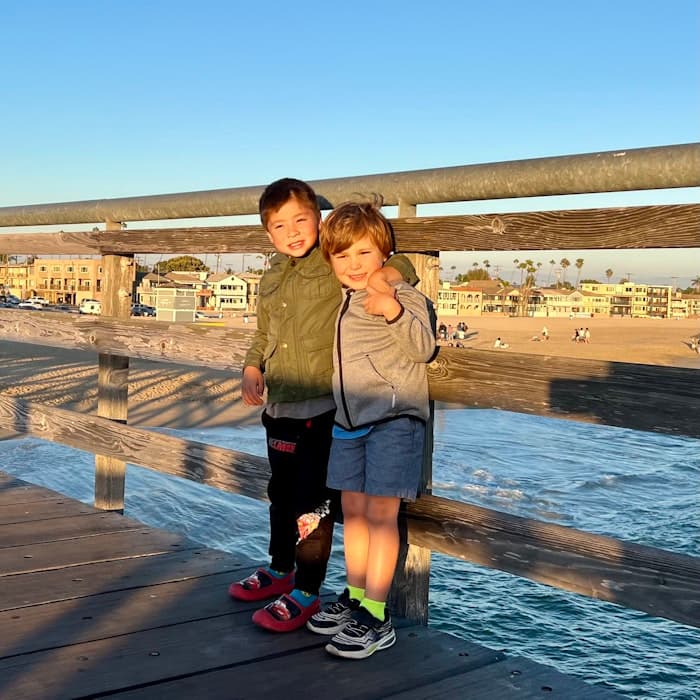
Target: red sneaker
261,585
285,614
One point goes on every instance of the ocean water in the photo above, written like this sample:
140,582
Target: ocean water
635,486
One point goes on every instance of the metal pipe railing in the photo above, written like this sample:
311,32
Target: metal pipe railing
611,171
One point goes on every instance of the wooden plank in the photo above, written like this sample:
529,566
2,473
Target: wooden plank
144,338
68,528
656,581
113,377
641,397
420,658
513,677
146,657
16,491
41,627
107,547
661,226
233,642
235,472
81,580
45,509
580,229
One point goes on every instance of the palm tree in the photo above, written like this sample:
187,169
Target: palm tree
609,273
487,265
579,265
696,283
552,263
564,264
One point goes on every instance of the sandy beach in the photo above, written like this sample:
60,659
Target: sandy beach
177,396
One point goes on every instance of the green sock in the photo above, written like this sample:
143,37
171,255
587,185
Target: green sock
356,593
376,608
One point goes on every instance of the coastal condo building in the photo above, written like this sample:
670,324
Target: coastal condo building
58,280
491,297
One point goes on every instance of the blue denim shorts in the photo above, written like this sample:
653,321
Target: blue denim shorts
385,462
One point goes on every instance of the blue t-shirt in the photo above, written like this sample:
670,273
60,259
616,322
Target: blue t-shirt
340,433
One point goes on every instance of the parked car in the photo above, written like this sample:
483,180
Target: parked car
90,306
29,304
39,300
142,310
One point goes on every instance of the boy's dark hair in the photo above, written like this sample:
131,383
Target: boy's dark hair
279,192
351,221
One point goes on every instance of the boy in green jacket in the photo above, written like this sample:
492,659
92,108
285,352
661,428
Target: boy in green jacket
292,354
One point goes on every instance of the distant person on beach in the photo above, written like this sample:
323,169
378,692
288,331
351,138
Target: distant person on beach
500,344
586,336
292,353
545,333
442,331
383,342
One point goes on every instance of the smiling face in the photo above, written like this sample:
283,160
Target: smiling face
293,228
354,265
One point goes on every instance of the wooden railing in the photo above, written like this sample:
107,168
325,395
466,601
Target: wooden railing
636,396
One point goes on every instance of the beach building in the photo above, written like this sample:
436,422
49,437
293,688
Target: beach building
214,291
460,300
691,305
228,292
58,280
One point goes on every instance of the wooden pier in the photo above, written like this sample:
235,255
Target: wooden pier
96,604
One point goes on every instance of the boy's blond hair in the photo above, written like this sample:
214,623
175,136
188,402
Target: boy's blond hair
279,192
351,221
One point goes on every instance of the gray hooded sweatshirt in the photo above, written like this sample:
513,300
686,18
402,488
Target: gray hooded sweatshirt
379,367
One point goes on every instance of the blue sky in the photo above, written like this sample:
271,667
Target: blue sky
111,99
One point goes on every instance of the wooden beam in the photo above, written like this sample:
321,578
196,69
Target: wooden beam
113,377
228,470
147,339
653,580
662,226
627,395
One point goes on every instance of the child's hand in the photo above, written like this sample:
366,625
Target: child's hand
379,280
379,304
252,386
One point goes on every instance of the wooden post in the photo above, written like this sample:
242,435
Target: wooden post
113,376
411,586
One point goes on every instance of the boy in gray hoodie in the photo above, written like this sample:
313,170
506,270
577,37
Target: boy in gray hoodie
383,341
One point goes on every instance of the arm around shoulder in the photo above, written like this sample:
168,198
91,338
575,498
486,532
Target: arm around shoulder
404,266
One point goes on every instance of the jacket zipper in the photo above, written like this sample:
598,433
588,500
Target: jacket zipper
343,311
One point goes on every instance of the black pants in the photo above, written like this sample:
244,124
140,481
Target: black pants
298,451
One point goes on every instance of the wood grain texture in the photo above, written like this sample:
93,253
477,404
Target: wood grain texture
663,226
656,581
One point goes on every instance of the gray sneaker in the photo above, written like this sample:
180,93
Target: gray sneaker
362,636
334,616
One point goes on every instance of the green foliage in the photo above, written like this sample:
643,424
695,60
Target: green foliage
186,263
476,273
589,281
